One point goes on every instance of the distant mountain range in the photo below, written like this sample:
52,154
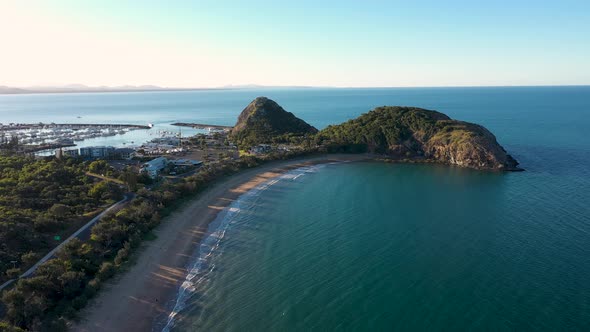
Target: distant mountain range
73,88
77,88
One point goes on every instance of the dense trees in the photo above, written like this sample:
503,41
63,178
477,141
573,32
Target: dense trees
265,121
410,133
63,285
100,167
392,130
40,199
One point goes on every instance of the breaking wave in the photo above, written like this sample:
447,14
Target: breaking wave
202,265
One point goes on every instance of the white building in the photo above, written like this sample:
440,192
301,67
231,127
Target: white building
154,167
97,152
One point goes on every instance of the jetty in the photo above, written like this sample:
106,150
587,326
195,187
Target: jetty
202,126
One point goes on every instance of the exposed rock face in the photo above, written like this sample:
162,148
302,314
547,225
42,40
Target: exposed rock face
415,133
477,148
263,120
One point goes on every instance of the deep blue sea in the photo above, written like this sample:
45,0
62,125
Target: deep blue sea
371,246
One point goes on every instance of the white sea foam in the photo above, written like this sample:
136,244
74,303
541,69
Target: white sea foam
202,266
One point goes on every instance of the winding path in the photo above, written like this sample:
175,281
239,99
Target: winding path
83,234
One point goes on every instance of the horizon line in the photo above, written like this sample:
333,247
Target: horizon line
16,90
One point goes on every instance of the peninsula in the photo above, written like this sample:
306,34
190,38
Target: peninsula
392,132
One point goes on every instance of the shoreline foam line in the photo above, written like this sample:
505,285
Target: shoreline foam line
200,266
141,298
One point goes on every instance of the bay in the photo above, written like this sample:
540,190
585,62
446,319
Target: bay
370,246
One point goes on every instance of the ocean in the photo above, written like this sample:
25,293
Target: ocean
373,246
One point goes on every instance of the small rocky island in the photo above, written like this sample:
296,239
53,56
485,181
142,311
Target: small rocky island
392,132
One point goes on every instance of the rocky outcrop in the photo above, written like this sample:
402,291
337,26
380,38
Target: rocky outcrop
403,133
468,145
264,121
419,134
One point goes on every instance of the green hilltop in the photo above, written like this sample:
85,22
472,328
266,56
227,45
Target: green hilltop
393,132
264,121
419,134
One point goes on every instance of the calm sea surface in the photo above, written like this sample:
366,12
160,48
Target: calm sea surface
370,246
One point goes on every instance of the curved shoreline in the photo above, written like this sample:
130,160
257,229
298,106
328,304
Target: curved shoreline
140,296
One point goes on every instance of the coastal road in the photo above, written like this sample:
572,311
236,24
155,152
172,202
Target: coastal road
83,234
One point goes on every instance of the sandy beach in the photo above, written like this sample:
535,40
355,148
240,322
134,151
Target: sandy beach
143,295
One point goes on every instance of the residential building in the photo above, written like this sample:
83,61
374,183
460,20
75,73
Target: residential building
60,153
71,153
154,167
95,152
124,153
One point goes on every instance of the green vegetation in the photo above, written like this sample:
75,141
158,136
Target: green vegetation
394,132
409,133
384,130
8,145
399,133
264,121
41,199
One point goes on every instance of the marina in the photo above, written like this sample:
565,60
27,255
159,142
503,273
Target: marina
46,139
61,134
203,126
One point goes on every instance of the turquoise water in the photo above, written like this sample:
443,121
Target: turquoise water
370,246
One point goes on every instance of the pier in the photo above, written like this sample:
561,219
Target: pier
202,126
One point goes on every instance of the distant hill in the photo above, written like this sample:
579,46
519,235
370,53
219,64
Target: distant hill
72,88
415,133
10,90
258,86
263,120
81,88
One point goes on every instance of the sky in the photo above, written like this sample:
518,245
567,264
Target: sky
191,44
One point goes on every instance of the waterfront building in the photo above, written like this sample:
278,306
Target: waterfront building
71,153
95,152
124,153
60,153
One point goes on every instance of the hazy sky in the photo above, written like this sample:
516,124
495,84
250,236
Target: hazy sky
319,43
